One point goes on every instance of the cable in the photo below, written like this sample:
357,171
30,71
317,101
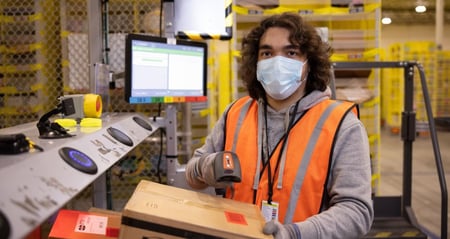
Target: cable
160,17
158,169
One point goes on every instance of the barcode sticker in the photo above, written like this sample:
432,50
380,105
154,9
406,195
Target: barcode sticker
91,224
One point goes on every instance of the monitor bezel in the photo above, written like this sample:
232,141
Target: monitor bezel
169,98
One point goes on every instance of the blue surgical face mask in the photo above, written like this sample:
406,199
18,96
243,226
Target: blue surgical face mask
280,76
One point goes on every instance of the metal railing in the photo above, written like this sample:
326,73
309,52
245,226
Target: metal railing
408,133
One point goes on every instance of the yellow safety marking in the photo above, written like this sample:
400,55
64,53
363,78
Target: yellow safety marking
316,11
278,10
23,68
359,56
210,60
372,102
202,140
3,49
65,34
375,177
36,67
204,36
6,19
35,17
373,138
224,82
204,112
235,53
372,7
189,35
383,234
8,90
8,69
240,10
65,63
21,48
229,15
200,36
37,86
29,18
410,234
210,85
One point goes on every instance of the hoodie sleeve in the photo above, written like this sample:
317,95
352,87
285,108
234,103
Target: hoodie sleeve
350,208
214,143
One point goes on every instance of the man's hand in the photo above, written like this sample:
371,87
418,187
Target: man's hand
280,231
205,170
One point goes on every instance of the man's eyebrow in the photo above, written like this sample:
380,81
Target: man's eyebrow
290,47
265,47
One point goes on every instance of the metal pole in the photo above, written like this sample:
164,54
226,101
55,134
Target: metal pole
171,143
408,132
437,155
439,30
95,55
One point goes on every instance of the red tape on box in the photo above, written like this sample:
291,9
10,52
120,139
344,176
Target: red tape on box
237,218
112,232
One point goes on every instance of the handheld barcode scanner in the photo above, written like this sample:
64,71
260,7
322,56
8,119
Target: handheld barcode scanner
227,167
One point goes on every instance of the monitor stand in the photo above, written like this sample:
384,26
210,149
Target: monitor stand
176,174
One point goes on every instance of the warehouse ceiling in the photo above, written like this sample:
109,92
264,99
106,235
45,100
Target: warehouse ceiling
400,11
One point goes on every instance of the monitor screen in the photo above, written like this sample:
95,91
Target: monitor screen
164,70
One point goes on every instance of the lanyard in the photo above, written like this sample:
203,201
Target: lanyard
270,178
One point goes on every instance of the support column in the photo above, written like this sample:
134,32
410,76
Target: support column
439,23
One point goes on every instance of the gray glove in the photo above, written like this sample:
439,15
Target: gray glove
280,231
205,170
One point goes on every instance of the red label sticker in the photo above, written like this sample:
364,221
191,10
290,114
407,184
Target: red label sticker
112,232
237,218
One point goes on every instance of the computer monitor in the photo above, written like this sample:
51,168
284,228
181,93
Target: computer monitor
162,70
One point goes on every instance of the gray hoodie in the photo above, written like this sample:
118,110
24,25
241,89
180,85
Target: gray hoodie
350,209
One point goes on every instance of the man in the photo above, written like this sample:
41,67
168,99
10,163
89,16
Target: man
304,158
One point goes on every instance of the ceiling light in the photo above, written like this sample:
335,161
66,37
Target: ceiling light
386,20
421,8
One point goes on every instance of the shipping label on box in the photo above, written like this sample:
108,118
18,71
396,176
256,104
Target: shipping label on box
161,211
92,225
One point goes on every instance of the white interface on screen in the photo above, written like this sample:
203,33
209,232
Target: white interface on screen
160,69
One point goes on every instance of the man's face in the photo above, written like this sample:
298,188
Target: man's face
275,42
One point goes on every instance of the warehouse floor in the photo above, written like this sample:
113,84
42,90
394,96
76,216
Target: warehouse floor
426,193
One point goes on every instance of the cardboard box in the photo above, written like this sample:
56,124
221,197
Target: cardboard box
161,211
95,224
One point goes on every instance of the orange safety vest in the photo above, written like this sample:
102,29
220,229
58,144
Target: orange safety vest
308,155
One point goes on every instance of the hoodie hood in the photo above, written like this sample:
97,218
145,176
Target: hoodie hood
304,104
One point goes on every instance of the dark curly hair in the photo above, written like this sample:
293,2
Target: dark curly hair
303,35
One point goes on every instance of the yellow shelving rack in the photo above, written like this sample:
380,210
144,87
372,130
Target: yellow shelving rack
442,90
18,87
425,53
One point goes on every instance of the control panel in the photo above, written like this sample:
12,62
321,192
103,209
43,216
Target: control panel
35,184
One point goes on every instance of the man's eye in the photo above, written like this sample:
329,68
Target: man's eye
292,53
265,54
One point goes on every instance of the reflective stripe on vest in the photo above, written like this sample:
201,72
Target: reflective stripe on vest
308,154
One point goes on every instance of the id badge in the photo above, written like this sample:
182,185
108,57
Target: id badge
269,211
